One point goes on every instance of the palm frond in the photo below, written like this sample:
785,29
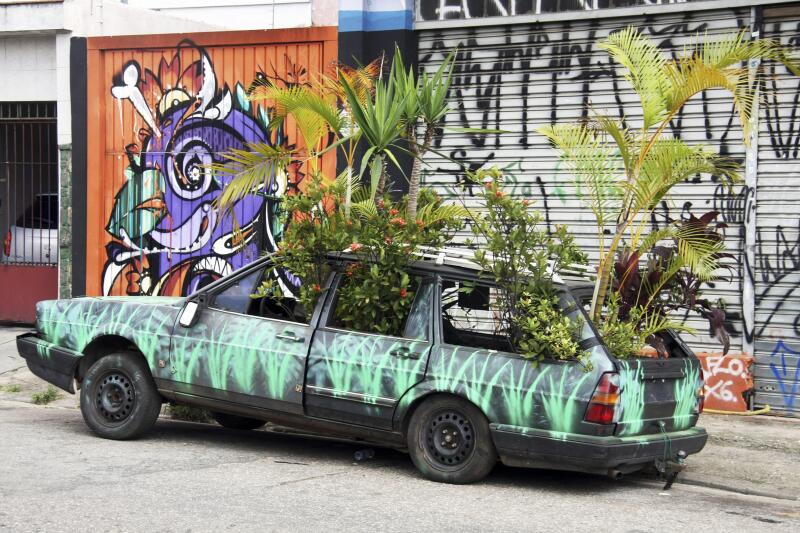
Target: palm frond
433,214
644,64
246,171
699,251
365,209
593,162
672,161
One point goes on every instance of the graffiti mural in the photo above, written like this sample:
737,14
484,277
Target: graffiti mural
165,235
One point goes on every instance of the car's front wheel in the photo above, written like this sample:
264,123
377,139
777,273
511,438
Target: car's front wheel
237,422
119,399
449,441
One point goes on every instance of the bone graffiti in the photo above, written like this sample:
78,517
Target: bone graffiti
166,236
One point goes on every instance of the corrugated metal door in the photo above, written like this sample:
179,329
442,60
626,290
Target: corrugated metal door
161,108
516,77
777,273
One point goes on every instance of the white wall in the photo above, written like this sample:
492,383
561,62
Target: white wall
236,14
28,68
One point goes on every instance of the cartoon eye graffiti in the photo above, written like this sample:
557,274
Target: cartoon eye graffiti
172,99
187,167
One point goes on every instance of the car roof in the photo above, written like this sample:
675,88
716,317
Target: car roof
460,262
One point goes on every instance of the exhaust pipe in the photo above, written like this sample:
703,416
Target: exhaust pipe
614,474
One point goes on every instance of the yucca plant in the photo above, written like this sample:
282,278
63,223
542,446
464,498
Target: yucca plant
425,108
628,168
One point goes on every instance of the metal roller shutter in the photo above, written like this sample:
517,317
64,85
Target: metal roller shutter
777,272
516,77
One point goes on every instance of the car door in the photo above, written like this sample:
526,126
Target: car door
233,353
358,377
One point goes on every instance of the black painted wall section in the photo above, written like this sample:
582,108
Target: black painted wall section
361,47
77,85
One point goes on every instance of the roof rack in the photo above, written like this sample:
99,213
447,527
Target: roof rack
465,258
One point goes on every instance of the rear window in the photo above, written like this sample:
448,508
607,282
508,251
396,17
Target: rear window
42,214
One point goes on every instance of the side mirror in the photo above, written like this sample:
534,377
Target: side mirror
189,314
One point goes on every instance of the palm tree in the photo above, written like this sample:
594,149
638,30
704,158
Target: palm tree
629,171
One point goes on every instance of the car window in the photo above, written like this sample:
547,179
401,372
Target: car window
42,214
281,305
419,319
469,318
236,297
416,324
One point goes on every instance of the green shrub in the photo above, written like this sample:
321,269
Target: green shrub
10,388
51,394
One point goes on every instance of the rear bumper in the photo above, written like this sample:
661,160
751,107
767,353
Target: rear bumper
537,448
48,361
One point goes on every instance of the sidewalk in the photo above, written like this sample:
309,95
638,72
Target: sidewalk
9,360
746,454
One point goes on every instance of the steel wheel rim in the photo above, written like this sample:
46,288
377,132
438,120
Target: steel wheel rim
115,397
449,439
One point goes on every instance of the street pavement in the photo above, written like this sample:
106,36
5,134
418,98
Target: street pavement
9,360
55,475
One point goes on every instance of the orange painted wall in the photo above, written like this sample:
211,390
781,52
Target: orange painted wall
161,106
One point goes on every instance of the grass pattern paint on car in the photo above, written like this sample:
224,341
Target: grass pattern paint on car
145,321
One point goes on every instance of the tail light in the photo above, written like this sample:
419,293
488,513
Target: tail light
701,393
7,244
603,405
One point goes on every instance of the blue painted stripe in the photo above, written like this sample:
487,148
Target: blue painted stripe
375,20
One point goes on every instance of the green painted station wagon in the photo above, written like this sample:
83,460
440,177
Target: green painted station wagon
449,390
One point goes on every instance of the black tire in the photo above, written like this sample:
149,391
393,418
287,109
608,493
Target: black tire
119,399
237,422
449,441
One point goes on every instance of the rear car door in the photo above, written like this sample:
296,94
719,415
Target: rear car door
358,377
241,350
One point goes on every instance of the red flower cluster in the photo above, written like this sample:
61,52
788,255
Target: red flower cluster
399,221
393,211
316,288
350,269
403,293
355,247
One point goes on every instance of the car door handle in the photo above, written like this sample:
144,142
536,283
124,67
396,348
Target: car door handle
291,337
404,353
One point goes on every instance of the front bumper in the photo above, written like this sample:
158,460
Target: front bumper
535,448
50,362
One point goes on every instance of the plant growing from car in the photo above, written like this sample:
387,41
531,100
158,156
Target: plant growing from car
521,256
377,290
628,168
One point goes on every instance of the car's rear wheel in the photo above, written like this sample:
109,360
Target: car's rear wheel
237,422
119,399
449,441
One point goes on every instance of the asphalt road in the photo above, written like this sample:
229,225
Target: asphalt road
56,476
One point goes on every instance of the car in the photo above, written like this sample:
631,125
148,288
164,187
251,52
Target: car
449,390
34,236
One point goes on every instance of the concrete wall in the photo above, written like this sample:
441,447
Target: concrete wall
28,68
